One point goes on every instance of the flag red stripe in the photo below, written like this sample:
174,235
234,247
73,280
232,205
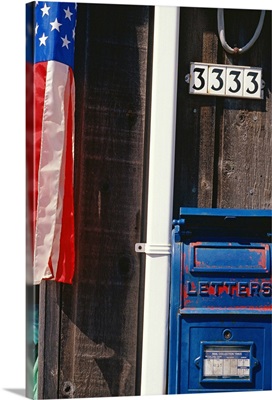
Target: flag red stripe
29,153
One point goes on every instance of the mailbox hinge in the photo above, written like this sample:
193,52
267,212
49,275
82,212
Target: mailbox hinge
153,249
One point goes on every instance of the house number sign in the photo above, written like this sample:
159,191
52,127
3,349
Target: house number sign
225,80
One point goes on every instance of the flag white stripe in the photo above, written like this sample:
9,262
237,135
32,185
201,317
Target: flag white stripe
52,146
59,212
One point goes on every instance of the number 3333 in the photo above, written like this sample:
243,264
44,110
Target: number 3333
225,80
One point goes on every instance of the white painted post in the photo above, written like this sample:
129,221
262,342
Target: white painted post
160,199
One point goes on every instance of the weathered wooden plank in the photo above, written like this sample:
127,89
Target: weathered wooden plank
196,115
49,340
99,324
244,170
223,145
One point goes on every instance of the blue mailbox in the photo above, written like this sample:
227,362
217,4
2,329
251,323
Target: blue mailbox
220,301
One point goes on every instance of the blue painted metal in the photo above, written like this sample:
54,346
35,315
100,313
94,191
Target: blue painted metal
224,212
220,282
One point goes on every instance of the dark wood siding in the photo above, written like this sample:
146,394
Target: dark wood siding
91,327
223,145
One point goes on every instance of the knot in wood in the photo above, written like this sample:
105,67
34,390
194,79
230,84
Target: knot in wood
68,389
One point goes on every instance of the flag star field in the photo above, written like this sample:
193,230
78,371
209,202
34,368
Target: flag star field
54,27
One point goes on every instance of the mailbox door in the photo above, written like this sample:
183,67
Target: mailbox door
220,307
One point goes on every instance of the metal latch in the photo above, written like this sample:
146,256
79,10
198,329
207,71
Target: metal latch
156,249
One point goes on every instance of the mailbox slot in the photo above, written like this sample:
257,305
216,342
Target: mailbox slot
230,257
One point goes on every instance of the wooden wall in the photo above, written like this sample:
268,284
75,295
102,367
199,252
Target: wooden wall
223,145
90,332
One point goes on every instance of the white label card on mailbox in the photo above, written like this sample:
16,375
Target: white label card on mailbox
226,363
225,80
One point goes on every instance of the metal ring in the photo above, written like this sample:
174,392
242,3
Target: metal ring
221,33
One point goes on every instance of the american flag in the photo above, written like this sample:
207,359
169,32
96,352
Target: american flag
54,105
